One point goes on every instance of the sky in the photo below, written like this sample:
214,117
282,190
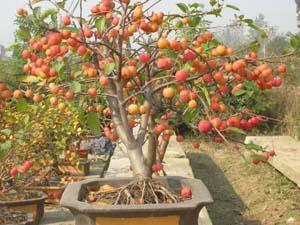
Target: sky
280,13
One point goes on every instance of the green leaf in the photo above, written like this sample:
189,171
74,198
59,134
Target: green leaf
35,1
6,145
76,86
252,146
109,67
179,24
4,148
232,7
263,34
240,92
100,24
187,66
194,21
58,66
170,53
73,29
23,34
236,130
6,131
21,105
258,157
248,21
206,94
47,13
212,2
26,119
197,5
183,7
93,123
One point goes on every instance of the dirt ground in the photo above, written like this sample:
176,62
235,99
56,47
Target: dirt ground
244,194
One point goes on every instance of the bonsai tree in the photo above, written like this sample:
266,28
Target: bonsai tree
32,138
126,66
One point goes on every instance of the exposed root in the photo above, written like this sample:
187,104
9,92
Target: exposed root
135,193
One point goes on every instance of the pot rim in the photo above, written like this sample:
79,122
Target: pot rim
201,197
27,201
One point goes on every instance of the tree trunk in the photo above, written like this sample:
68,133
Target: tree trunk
138,163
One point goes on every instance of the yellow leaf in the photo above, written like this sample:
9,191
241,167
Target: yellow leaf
31,79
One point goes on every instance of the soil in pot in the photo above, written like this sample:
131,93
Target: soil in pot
134,193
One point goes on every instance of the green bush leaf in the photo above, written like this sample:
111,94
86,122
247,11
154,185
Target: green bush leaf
21,105
93,123
6,131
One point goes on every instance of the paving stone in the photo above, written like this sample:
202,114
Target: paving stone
287,159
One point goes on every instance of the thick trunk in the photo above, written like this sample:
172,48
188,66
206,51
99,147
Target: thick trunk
138,164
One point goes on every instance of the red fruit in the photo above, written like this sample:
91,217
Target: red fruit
26,166
181,75
208,36
82,50
282,68
53,72
88,33
66,20
26,54
164,63
166,137
234,121
14,171
189,55
266,156
216,122
144,57
95,9
255,161
196,145
104,81
184,96
55,39
186,192
277,82
2,86
204,126
207,78
6,94
179,138
131,123
159,166
154,168
90,108
69,95
92,92
159,128
272,153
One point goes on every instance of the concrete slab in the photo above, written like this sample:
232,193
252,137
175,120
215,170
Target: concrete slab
287,159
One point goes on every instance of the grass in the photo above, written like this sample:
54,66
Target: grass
244,193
